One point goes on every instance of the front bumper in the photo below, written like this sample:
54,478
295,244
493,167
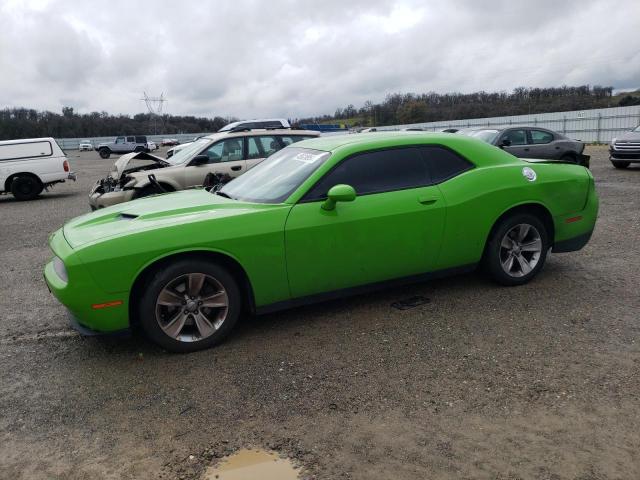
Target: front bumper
93,307
87,332
101,200
625,151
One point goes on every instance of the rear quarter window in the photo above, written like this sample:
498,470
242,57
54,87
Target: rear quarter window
444,163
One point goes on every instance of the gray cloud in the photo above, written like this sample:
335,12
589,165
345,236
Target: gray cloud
252,58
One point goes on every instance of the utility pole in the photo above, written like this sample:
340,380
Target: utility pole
154,105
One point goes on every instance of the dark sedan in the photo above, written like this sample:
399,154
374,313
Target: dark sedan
532,142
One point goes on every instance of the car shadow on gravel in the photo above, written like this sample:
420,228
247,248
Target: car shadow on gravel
415,299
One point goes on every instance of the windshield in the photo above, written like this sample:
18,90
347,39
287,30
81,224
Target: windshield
485,135
637,129
188,151
273,180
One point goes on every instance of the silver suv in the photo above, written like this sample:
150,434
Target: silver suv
227,154
124,144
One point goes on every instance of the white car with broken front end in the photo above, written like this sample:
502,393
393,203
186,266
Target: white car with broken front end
226,155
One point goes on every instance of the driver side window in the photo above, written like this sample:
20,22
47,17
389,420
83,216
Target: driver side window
517,137
229,150
120,140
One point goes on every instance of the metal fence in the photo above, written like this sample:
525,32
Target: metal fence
593,126
73,143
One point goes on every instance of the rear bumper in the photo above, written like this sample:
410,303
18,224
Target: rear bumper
584,160
572,244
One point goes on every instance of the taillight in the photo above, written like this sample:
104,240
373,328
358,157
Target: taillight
65,165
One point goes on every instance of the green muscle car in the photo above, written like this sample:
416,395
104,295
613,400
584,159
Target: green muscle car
322,218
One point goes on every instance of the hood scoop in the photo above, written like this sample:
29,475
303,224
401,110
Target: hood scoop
127,216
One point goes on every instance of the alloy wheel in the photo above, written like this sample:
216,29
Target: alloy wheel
192,307
520,250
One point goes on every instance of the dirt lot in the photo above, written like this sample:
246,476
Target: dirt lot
538,382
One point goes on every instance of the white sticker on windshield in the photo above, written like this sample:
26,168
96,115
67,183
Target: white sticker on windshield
306,157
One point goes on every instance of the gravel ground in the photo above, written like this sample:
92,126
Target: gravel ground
480,381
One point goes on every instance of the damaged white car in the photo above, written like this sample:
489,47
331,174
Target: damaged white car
226,155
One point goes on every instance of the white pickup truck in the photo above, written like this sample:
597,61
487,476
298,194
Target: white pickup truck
28,166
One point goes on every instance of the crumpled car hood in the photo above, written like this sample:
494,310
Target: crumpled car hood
120,165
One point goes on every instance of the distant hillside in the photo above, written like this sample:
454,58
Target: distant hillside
404,108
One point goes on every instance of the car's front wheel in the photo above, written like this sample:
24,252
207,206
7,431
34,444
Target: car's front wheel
517,249
189,305
104,153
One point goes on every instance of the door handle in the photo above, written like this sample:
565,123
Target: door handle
427,200
235,169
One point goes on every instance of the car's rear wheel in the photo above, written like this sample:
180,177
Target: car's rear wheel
517,249
619,164
104,153
189,305
26,187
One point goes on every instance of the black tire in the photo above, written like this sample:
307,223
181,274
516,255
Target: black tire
569,157
26,187
619,164
165,277
495,253
139,149
104,153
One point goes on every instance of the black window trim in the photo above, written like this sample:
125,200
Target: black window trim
471,165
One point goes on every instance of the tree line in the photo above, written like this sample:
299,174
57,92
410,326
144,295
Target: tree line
29,123
404,108
397,108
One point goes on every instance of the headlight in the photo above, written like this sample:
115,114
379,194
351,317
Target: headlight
60,269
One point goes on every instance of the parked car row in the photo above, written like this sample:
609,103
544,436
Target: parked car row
26,169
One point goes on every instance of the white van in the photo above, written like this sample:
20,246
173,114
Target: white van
30,165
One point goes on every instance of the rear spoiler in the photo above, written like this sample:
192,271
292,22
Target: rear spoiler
581,159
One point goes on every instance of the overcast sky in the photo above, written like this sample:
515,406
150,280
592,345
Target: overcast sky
297,58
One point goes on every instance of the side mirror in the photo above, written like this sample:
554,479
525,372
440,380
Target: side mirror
339,193
199,160
505,142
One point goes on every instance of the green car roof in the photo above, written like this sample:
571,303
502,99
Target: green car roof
481,152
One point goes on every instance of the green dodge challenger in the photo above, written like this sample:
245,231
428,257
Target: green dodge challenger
327,217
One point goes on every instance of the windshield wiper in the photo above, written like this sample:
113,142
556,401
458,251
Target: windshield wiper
222,194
